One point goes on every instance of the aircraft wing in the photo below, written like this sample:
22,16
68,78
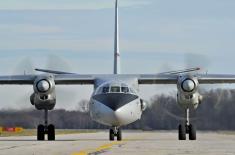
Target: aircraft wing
215,78
18,79
157,79
70,79
59,79
74,79
172,79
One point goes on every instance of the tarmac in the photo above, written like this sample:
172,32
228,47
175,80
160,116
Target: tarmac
134,143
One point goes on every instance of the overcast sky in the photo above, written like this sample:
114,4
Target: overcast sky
77,36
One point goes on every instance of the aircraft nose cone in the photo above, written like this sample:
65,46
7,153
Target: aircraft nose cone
188,85
115,100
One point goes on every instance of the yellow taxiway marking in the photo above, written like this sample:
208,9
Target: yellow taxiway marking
107,146
99,149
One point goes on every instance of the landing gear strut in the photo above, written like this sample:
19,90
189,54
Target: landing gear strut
187,128
46,129
115,132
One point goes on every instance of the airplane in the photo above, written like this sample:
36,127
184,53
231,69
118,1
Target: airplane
115,101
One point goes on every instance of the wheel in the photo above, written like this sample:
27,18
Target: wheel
119,135
41,132
111,135
192,132
182,132
51,132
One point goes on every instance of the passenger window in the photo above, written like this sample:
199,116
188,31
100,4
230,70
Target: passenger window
115,89
125,89
105,89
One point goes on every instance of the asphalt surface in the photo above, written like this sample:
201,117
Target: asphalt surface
134,143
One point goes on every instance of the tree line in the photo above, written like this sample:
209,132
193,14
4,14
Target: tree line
217,112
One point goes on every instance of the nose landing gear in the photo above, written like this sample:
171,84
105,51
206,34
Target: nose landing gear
115,132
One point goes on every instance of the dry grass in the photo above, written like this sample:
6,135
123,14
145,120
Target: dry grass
33,132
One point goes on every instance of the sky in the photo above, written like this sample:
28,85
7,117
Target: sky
77,36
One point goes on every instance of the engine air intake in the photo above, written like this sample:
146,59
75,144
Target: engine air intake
43,86
188,85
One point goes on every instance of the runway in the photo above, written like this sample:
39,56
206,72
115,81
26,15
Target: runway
135,142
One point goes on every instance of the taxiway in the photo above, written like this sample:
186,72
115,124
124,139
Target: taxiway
135,142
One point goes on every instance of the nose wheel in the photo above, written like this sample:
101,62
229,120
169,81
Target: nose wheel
42,130
115,132
187,128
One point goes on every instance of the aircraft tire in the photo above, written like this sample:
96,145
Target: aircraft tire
192,132
111,135
182,132
51,132
119,135
41,132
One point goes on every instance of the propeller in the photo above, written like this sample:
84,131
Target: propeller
194,63
27,65
55,62
24,66
192,60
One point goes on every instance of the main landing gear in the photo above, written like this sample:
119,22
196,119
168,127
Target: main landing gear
115,132
46,129
187,128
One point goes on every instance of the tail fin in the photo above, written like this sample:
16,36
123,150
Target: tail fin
117,67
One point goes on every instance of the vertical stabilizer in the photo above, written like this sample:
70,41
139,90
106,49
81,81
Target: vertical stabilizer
117,67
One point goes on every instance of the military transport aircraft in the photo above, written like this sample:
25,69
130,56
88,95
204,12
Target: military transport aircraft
115,101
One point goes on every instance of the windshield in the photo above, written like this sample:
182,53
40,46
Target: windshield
125,89
115,89
105,89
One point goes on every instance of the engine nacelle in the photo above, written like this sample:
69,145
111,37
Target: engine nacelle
189,101
187,85
44,96
44,84
188,96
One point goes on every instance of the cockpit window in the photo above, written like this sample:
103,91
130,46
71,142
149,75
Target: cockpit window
105,89
132,91
115,89
125,89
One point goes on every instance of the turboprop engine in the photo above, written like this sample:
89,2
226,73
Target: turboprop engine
44,96
187,95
